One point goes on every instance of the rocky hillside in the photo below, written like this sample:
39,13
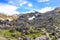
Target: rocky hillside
10,18
32,26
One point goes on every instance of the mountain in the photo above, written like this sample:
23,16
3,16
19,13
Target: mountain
34,22
34,19
10,18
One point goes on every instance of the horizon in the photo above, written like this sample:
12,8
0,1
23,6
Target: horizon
10,7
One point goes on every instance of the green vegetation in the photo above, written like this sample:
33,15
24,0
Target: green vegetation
5,33
31,33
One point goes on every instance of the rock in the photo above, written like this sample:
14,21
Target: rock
59,35
19,38
13,34
58,39
53,33
42,38
26,38
57,30
12,30
2,38
50,28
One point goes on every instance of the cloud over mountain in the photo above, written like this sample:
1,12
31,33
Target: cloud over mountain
8,9
45,9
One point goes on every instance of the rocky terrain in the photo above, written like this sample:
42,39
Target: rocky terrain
31,26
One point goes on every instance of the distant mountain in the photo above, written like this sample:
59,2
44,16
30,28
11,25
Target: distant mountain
10,18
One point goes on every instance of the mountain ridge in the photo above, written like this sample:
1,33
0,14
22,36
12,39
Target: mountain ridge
13,17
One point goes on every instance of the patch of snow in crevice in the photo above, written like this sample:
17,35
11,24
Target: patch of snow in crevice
31,18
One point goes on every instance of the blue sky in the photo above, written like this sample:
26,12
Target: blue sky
11,7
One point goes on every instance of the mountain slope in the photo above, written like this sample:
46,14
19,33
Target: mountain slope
34,25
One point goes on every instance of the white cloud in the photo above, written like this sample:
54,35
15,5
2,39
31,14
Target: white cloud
45,9
29,5
11,2
43,0
42,10
17,2
22,3
8,9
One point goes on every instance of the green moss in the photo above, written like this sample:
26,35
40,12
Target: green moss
35,34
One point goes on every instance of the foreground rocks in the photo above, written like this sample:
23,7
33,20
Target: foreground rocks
42,38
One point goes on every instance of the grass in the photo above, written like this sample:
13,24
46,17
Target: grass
7,34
